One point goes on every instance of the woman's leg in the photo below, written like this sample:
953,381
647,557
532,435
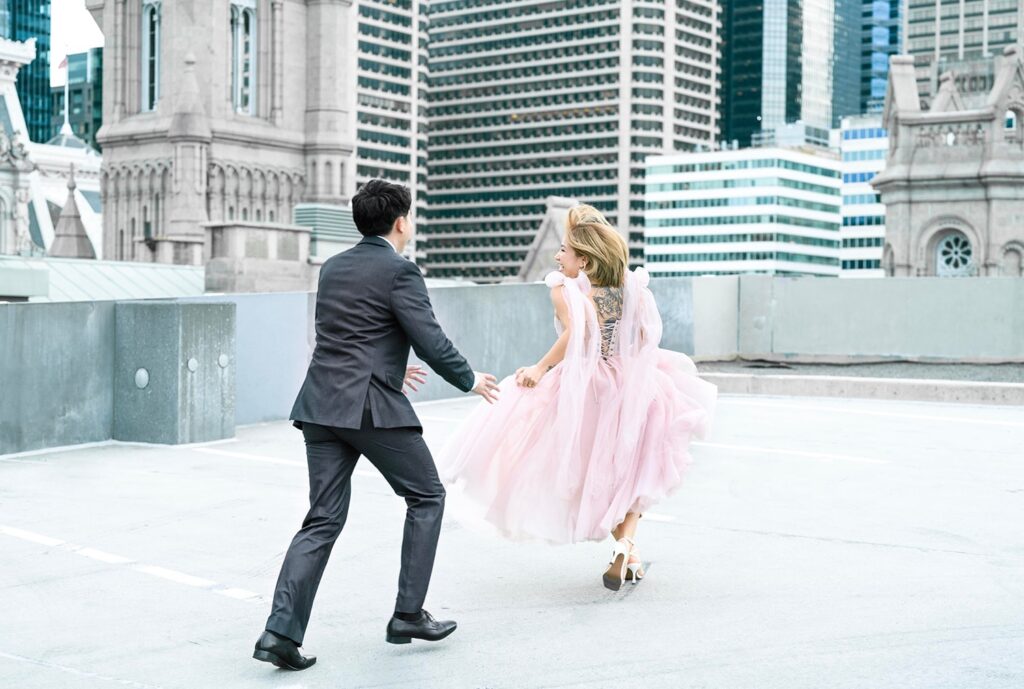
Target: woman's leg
627,529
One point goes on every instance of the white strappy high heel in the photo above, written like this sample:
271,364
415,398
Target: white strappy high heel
634,570
616,572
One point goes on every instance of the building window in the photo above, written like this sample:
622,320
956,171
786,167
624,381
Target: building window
953,255
243,55
150,54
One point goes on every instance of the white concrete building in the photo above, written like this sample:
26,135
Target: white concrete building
530,99
863,145
753,210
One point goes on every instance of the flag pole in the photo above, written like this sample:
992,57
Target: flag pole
66,127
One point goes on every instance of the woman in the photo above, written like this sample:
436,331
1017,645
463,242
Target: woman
586,439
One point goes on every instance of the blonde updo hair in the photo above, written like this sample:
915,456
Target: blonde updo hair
588,233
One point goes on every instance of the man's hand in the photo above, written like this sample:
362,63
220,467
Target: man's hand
486,386
529,376
414,374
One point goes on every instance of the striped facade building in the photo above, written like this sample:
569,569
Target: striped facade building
752,210
863,146
391,73
530,99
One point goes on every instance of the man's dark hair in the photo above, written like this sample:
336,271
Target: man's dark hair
377,206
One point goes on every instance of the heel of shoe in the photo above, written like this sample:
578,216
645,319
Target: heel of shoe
615,575
398,639
634,572
268,657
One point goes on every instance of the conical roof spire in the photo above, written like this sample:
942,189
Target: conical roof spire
70,239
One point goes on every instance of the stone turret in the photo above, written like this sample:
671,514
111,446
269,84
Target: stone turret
953,186
69,237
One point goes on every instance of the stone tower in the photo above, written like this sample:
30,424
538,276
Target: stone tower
221,111
953,185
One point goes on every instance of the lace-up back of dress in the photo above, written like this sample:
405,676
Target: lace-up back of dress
608,303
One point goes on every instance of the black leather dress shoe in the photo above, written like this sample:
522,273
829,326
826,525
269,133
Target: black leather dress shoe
426,628
282,652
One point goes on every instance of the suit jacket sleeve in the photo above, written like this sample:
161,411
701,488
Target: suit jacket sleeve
411,305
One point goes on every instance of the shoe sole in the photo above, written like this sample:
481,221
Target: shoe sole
408,639
613,582
277,661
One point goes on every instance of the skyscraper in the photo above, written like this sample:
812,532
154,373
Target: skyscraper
961,35
785,61
21,20
391,136
880,39
863,145
556,98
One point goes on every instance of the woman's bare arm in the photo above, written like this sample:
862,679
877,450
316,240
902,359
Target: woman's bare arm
529,376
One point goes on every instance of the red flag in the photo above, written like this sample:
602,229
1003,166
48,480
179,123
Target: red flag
63,63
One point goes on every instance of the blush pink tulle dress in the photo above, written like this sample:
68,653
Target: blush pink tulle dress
605,432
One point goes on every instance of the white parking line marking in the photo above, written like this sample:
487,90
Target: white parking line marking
29,536
826,456
102,556
848,409
175,576
151,570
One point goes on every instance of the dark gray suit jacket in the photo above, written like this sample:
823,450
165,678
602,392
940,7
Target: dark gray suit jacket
371,304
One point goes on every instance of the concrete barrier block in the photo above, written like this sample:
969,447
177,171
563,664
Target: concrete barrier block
715,317
56,362
174,372
674,297
756,320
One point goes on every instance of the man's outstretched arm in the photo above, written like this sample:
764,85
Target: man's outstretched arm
411,305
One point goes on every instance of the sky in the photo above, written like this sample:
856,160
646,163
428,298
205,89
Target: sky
72,30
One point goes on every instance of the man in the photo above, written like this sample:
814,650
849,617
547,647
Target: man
371,305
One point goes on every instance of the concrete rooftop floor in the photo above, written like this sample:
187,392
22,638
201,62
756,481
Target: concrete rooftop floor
816,543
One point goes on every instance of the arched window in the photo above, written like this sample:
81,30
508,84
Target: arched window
1013,261
150,54
243,56
954,255
328,185
1012,126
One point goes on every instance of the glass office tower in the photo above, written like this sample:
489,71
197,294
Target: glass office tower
880,40
786,61
21,20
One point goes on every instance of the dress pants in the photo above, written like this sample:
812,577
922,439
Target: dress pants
401,455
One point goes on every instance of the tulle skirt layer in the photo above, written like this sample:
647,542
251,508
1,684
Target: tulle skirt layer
543,471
